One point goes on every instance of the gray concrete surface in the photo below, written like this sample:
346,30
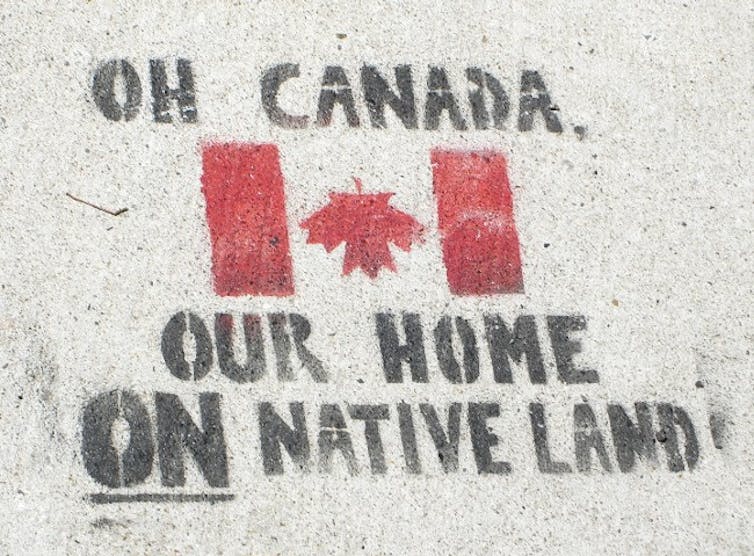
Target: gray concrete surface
636,217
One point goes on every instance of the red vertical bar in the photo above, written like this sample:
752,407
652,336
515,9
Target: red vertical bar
475,212
243,186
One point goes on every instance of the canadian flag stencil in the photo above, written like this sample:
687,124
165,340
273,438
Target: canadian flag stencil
244,189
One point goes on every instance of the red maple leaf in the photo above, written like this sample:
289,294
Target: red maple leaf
367,224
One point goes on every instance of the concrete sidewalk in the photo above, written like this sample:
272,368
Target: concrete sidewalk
338,277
